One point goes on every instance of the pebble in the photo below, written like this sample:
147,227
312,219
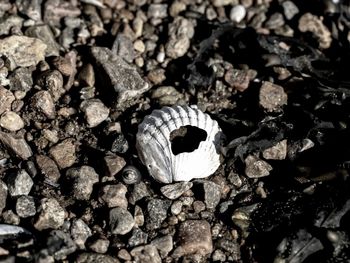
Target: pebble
180,31
114,195
124,254
194,238
212,194
156,76
6,99
139,216
80,232
139,46
131,175
120,221
66,245
22,51
15,145
31,9
83,179
163,244
290,9
25,206
120,144
167,96
50,135
100,246
176,8
157,210
237,13
21,80
86,76
157,11
3,195
123,47
63,153
114,164
64,65
44,33
44,103
51,215
19,183
256,168
11,121
95,112
127,82
220,3
9,22
138,237
219,256
52,81
276,152
48,168
93,258
139,192
174,191
176,207
146,254
272,97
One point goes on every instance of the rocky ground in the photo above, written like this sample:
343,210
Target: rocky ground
78,76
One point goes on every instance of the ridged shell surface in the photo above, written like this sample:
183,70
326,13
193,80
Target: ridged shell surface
154,146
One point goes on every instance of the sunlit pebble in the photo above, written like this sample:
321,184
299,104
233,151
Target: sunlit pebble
237,13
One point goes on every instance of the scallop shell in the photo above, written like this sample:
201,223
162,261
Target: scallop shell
154,146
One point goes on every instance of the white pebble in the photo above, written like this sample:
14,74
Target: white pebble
11,121
237,13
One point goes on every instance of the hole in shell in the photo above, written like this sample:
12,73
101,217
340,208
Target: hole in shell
186,139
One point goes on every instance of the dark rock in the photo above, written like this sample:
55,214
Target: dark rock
138,237
146,254
95,112
139,191
157,210
21,79
114,195
86,76
48,168
120,144
25,206
93,258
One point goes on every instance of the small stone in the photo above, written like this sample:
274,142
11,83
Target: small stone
120,144
272,97
44,103
19,183
9,22
25,206
156,76
120,221
9,217
123,47
22,51
174,191
157,210
139,46
124,254
198,206
86,76
30,8
95,112
276,152
290,9
275,21
3,195
15,145
194,237
80,232
6,99
55,10
64,153
176,207
114,195
138,237
237,13
256,168
21,80
163,244
181,30
100,246
125,79
48,168
146,254
51,215
139,216
157,11
95,258
11,121
311,23
219,256
83,180
167,96
114,164
66,245
212,194
44,33
52,81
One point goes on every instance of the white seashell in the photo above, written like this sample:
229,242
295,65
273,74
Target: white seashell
156,147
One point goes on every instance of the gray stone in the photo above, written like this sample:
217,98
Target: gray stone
30,8
6,99
64,153
48,168
120,221
95,111
114,195
100,246
114,164
157,11
176,207
15,145
52,81
139,191
125,79
60,245
219,256
80,232
290,9
51,215
123,47
163,244
272,97
139,216
138,237
220,3
146,254
21,79
19,183
157,210
95,258
25,206
8,22
11,121
174,191
44,33
167,96
181,30
3,195
275,21
44,103
55,10
276,152
22,51
212,194
83,180
256,168
237,13
194,238
9,217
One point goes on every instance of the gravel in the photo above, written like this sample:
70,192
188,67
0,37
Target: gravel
120,221
19,183
51,214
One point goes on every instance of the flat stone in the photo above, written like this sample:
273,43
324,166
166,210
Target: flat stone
123,47
237,13
167,96
80,232
125,79
146,254
157,11
3,195
95,112
19,183
120,221
290,9
194,238
6,99
83,180
256,168
139,192
64,153
22,51
55,10
16,146
51,215
86,76
276,152
43,102
25,206
114,195
48,168
138,237
157,210
272,97
174,191
11,121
